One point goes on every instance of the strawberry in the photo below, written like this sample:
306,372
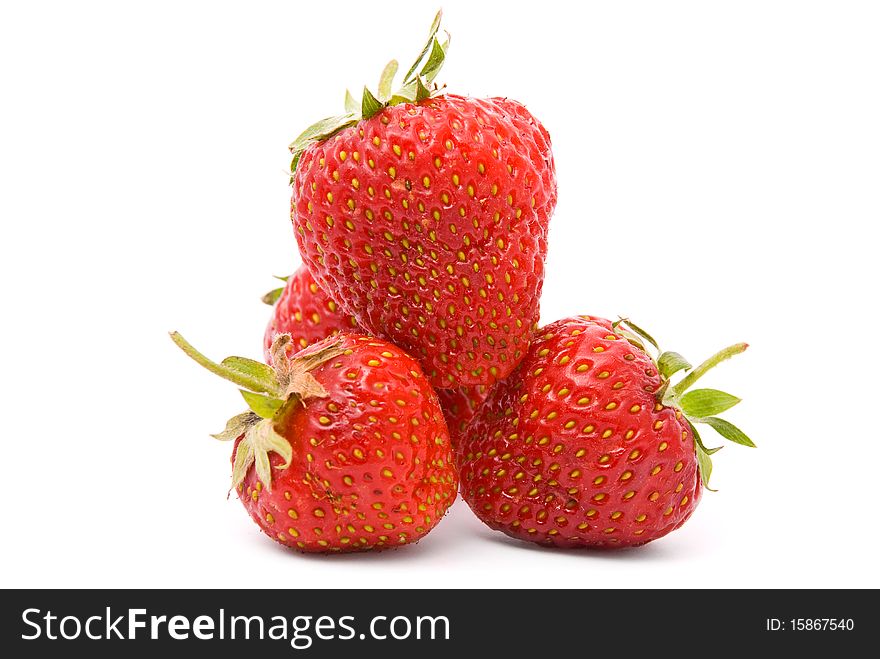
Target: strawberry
459,406
344,447
304,311
425,216
588,444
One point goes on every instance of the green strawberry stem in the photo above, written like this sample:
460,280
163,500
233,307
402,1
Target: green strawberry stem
706,366
250,381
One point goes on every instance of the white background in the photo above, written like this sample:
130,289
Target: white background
719,180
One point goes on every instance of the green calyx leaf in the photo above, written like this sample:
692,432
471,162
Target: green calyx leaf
261,405
386,80
632,338
351,105
244,458
627,324
236,426
434,63
272,296
422,92
319,131
699,441
671,363
259,441
706,402
432,32
370,105
704,464
416,86
704,458
727,430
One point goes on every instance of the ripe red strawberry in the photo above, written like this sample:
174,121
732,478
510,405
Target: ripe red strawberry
587,444
344,447
459,406
425,216
305,312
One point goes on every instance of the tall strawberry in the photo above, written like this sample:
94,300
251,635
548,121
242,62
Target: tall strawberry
343,448
589,443
425,216
304,311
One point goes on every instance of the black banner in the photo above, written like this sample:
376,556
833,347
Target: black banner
431,623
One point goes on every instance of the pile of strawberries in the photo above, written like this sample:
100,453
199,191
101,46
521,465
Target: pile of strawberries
404,359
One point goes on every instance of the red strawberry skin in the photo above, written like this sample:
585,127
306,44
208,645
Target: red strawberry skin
572,449
306,313
372,465
428,223
459,406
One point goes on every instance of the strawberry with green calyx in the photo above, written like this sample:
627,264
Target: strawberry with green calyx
343,447
424,215
304,311
589,443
